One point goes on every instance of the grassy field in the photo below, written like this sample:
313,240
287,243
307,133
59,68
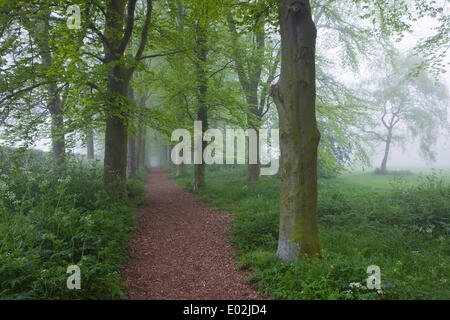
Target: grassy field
385,182
399,223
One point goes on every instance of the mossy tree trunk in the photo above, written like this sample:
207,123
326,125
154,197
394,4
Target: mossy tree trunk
202,90
118,31
295,96
116,137
132,145
132,157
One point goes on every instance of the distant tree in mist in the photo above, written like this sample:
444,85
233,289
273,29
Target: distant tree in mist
407,108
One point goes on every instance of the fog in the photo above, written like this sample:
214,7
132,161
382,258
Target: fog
407,156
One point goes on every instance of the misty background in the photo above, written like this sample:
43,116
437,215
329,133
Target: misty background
401,156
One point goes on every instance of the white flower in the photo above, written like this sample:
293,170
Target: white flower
10,195
3,186
355,285
348,291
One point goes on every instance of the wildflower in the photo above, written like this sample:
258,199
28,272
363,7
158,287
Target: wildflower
355,285
3,186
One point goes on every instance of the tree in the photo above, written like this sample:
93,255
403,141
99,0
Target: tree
32,64
294,96
414,103
119,28
250,64
90,145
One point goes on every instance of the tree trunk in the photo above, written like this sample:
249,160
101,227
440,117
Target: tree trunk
132,158
254,170
199,176
180,169
58,136
141,149
294,97
383,168
132,148
54,100
249,81
164,155
90,145
115,42
202,89
116,137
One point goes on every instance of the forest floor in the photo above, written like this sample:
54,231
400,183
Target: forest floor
180,250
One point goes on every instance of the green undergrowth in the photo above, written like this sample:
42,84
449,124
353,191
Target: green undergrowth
402,228
49,223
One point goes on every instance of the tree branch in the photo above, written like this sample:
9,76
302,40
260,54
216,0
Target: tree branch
129,26
144,34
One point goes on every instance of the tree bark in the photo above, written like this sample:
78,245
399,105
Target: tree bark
42,35
132,158
57,131
202,89
294,97
116,137
199,169
383,168
132,149
164,154
249,81
141,149
254,170
118,32
90,145
180,169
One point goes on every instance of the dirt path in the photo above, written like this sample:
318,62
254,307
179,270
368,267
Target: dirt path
180,250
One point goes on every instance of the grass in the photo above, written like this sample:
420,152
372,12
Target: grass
400,224
384,182
48,224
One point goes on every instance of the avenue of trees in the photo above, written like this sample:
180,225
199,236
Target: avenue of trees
140,66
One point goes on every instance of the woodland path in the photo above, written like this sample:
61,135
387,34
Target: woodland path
180,250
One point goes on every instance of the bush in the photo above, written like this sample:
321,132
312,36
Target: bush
135,189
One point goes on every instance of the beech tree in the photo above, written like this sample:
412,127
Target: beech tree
407,104
35,73
294,96
251,67
119,23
